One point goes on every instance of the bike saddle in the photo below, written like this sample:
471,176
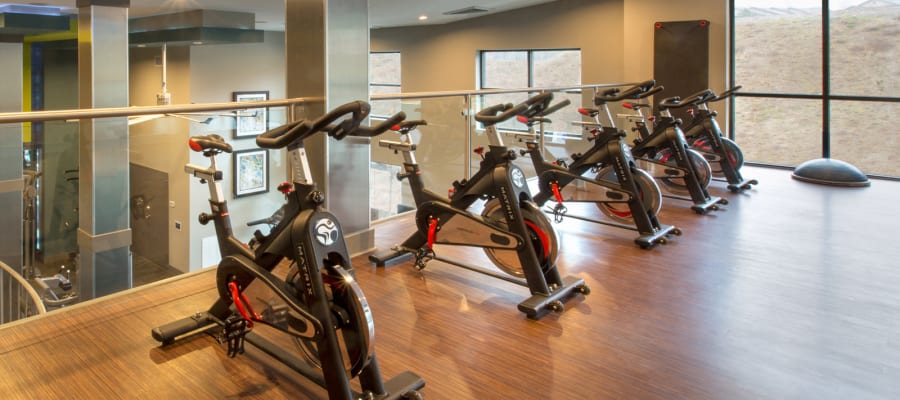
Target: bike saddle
210,145
408,125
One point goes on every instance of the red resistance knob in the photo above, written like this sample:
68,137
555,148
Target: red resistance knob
285,188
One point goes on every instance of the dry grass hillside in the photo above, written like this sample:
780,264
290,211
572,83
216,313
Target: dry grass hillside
779,51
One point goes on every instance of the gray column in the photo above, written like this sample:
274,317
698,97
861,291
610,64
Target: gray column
327,45
104,235
11,183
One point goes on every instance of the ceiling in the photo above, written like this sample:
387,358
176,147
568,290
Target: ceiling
270,13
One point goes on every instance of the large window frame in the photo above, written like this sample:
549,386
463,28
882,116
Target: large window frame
482,77
826,95
482,71
395,84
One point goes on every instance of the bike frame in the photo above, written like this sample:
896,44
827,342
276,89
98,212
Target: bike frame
497,178
608,148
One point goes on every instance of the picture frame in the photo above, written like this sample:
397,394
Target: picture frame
252,121
250,172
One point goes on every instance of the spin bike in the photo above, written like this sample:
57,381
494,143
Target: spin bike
664,152
518,239
621,191
319,305
704,135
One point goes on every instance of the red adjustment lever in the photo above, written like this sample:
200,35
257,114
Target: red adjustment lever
479,150
194,146
584,111
285,188
555,187
239,301
396,128
523,119
628,105
432,232
651,118
690,111
451,192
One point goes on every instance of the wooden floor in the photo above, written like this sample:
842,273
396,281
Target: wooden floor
791,292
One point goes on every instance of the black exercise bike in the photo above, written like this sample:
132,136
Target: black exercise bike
317,302
704,135
514,234
620,190
664,151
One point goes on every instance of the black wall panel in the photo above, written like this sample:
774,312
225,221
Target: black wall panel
681,58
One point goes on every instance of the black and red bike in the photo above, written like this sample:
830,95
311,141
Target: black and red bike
704,135
511,229
316,302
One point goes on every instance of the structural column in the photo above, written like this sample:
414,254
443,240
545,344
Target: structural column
11,183
104,235
327,53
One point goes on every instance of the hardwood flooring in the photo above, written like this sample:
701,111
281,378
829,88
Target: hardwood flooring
790,292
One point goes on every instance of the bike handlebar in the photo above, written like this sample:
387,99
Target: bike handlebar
556,107
209,142
726,94
371,131
651,92
671,102
638,91
697,98
537,105
286,134
488,116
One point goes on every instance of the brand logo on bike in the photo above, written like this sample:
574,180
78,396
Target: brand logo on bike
518,178
326,232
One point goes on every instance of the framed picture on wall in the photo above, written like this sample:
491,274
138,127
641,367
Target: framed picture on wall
251,172
252,121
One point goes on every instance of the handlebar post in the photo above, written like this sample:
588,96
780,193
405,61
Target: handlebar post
408,156
300,164
212,178
605,108
493,135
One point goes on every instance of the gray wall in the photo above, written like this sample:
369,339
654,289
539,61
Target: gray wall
205,74
215,72
161,144
615,38
10,175
443,57
60,220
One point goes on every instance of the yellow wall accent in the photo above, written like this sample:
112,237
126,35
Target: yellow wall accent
72,33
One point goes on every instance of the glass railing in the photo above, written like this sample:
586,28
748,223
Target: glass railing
445,146
42,203
44,208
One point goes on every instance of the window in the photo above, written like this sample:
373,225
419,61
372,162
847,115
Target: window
518,69
384,78
841,54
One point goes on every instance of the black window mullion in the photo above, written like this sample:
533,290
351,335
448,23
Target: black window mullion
530,68
826,80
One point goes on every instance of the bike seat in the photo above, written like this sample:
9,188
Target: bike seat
408,125
210,145
635,106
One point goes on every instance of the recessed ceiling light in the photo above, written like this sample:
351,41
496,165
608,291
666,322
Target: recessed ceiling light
423,17
198,42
